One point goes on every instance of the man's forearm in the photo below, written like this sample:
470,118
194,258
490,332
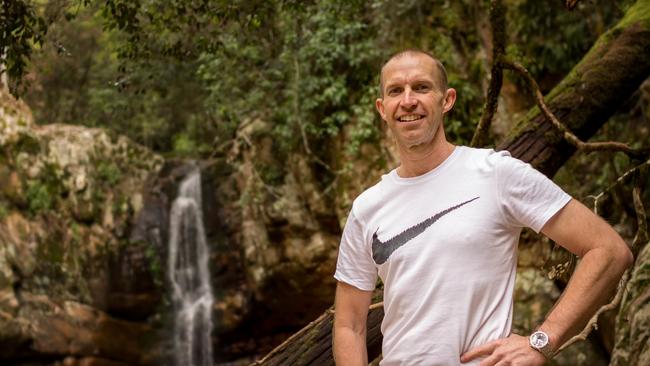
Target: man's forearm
604,259
349,347
591,285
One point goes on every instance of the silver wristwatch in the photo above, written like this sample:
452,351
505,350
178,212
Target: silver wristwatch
539,342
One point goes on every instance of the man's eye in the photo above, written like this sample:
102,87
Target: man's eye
421,87
394,91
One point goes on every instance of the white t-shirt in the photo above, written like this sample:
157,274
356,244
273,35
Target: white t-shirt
445,246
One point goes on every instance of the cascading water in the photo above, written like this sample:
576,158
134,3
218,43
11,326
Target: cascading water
189,275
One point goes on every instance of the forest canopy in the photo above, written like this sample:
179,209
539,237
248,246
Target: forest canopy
181,76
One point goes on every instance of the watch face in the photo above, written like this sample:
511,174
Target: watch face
538,339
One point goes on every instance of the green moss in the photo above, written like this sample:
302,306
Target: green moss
184,145
62,266
99,196
74,256
120,205
155,266
28,144
43,192
639,12
75,230
271,174
39,197
50,255
108,172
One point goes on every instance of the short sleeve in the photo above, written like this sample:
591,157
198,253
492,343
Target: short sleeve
355,265
527,197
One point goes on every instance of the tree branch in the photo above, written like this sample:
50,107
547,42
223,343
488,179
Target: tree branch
618,181
641,236
497,21
567,134
298,114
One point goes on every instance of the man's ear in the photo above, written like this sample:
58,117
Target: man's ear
450,99
379,104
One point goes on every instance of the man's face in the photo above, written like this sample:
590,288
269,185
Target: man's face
413,104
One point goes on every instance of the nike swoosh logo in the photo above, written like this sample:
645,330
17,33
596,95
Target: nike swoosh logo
382,250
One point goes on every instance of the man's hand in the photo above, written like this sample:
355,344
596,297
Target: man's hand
514,350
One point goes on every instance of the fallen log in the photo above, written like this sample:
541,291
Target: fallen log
312,345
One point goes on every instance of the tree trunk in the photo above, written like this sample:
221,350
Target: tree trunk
589,95
609,74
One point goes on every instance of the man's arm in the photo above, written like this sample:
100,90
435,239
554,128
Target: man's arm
349,332
604,258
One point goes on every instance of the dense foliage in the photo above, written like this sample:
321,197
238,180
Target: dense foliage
183,75
21,30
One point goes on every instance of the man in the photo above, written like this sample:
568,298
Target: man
441,231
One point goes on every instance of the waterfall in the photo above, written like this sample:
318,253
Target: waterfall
189,276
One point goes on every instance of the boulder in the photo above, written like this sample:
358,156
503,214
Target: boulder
73,288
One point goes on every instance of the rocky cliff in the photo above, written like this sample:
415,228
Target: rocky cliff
73,288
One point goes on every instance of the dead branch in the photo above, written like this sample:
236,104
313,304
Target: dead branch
641,236
620,180
497,21
298,114
567,134
313,156
219,149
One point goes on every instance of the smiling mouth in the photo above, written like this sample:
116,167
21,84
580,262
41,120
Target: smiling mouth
410,117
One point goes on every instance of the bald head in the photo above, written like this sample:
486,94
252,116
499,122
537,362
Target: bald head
440,74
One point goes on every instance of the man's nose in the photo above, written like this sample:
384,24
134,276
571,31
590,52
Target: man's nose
408,99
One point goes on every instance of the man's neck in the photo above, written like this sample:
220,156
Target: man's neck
416,161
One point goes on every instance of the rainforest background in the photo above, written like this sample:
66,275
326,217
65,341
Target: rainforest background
106,105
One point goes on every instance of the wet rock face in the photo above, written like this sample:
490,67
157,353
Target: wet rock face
288,232
130,286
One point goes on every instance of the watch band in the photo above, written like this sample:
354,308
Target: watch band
539,341
546,351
